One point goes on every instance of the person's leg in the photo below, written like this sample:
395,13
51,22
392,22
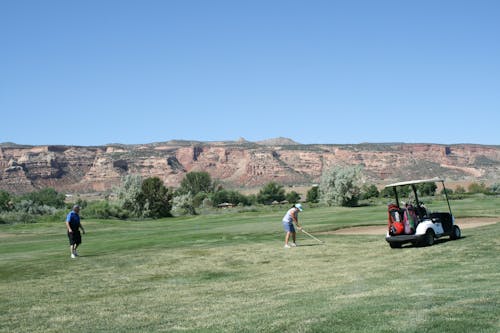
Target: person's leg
293,236
77,241
71,244
287,237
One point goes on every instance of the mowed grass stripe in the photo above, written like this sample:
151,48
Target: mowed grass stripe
229,273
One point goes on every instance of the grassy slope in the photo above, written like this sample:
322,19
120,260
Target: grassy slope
230,273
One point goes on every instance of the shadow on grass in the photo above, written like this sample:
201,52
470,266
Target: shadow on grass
436,242
303,245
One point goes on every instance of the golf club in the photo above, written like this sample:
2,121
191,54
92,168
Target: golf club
308,234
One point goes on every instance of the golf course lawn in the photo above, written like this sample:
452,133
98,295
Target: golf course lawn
229,272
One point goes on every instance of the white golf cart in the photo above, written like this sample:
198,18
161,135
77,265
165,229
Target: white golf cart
411,222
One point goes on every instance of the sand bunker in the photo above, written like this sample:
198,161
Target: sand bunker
464,223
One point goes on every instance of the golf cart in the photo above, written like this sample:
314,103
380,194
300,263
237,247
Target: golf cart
411,222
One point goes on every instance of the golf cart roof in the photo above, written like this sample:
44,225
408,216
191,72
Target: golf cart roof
410,182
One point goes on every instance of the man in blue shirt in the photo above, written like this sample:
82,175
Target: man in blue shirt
73,226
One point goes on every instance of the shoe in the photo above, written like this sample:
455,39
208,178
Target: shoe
75,253
293,245
287,246
73,256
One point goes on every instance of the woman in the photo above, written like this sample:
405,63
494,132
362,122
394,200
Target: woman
291,217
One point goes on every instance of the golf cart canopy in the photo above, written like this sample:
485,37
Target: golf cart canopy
411,182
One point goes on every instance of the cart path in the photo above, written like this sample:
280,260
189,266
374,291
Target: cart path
463,223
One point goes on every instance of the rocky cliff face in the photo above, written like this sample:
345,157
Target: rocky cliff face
236,164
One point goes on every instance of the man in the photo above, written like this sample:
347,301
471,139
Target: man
291,217
73,226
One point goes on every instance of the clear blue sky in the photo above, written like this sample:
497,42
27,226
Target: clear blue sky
95,72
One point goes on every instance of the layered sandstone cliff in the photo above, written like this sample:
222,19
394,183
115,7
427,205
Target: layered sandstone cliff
236,164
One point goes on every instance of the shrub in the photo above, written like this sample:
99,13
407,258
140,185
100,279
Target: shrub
154,198
477,188
46,197
105,210
271,192
495,188
339,186
183,205
292,197
14,217
369,191
233,197
33,208
196,182
5,201
312,195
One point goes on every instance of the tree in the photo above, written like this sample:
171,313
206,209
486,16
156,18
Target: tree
128,194
292,197
154,198
369,191
477,188
495,188
427,188
196,182
46,197
403,191
339,186
183,204
312,195
271,192
233,197
5,201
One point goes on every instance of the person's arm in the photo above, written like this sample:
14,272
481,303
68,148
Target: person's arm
68,227
295,218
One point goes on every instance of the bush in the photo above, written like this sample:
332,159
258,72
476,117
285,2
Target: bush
128,193
46,197
495,188
292,197
32,208
312,195
196,182
5,201
477,188
339,186
105,210
17,217
183,205
233,197
271,192
369,191
154,198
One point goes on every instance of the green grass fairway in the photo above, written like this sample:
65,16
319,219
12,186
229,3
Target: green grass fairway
230,273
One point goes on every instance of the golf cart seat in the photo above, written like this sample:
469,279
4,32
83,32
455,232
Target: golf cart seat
421,212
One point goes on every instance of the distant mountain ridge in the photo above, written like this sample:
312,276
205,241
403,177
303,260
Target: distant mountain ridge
237,164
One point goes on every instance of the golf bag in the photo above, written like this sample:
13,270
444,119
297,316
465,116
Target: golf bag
395,222
410,220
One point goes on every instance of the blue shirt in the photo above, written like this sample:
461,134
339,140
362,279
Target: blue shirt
74,220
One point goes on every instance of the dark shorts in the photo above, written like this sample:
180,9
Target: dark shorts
75,238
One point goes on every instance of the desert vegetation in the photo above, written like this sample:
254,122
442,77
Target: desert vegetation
149,198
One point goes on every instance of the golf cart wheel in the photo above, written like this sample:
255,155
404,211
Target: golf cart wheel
395,245
455,233
428,238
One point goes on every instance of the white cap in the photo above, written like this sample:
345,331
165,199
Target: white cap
299,207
